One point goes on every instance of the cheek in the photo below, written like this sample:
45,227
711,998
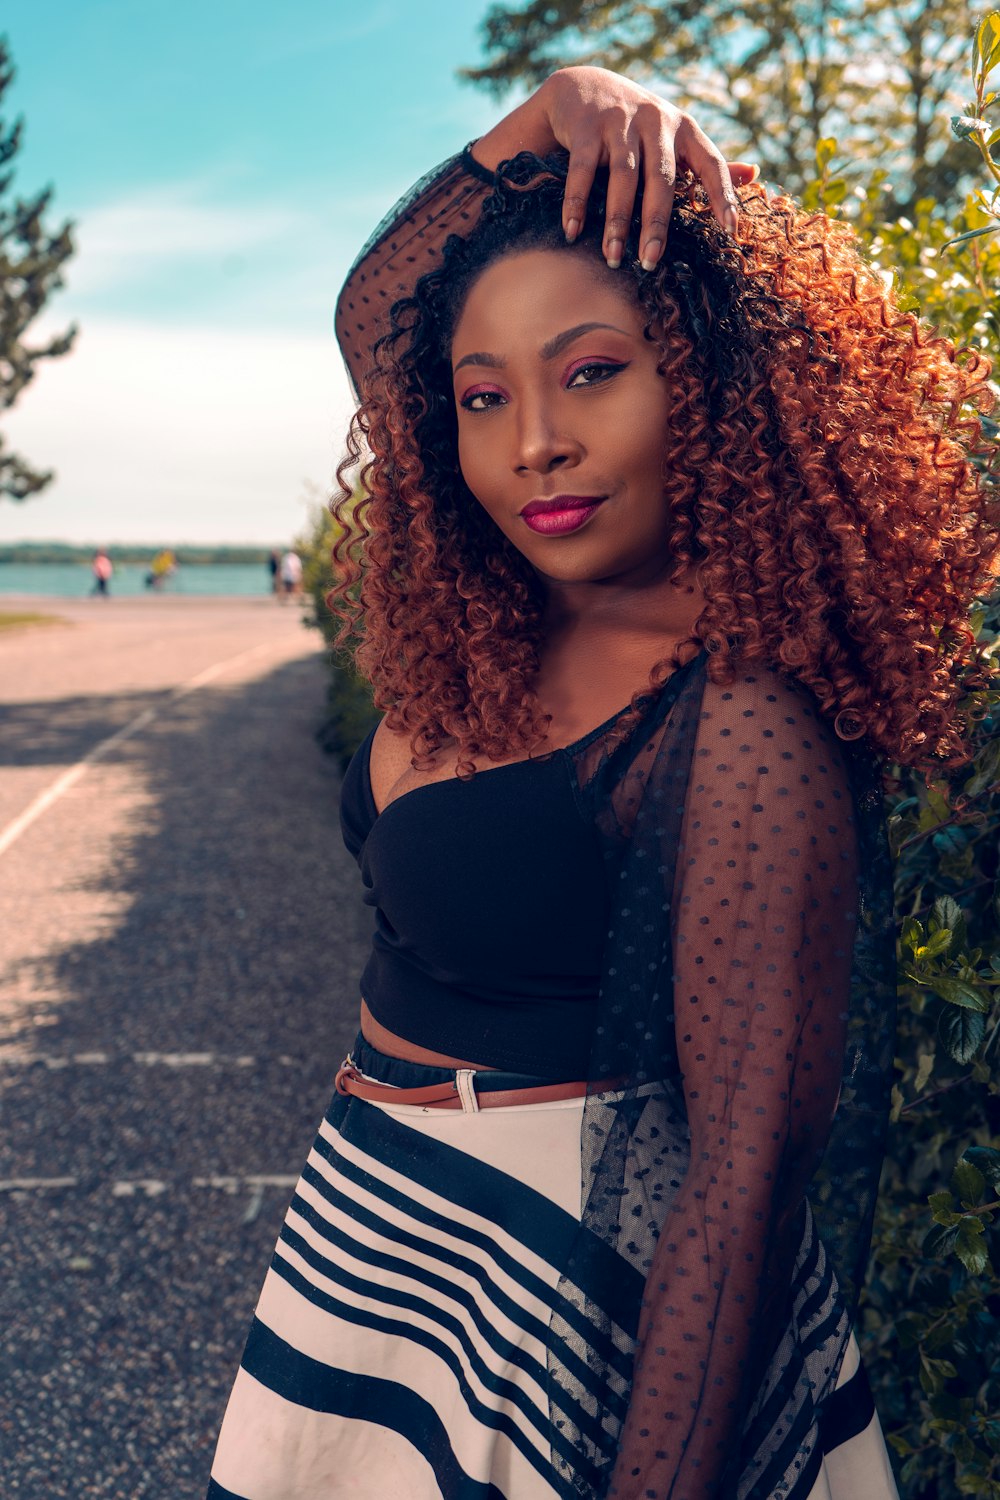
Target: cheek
647,434
467,463
475,464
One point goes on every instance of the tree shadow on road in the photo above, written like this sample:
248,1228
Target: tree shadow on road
241,934
58,732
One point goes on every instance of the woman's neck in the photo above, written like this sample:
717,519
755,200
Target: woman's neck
581,618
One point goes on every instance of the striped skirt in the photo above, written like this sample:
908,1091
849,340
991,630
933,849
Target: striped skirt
399,1346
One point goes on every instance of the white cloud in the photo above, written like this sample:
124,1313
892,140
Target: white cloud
178,433
120,242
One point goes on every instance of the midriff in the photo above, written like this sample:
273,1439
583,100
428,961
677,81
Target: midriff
384,1040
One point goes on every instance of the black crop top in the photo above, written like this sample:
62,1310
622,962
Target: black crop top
491,913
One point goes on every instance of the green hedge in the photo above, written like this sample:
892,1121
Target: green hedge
350,712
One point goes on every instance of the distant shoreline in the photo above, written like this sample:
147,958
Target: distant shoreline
128,552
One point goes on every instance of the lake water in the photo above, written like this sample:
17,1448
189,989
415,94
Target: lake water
75,580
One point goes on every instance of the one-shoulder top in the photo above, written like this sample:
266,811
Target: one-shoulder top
491,912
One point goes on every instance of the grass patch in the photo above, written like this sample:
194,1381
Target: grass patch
13,619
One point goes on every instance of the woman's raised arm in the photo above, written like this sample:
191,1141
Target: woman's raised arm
600,118
603,119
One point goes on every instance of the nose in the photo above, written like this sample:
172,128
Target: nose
541,445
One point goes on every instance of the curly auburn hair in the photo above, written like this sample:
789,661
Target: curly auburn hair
821,448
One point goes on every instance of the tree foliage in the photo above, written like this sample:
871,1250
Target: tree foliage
931,1311
31,259
768,78
350,712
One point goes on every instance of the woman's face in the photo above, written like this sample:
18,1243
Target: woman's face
558,396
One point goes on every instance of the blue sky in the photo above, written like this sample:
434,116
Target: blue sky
223,162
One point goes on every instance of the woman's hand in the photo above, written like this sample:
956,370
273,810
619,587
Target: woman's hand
603,119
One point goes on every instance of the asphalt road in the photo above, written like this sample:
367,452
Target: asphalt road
181,935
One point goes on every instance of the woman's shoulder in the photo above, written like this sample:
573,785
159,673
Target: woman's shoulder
766,704
389,756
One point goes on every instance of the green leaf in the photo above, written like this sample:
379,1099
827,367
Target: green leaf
977,49
961,1032
943,1208
970,1246
970,234
956,992
939,1240
826,148
939,942
912,1469
968,1183
924,1070
987,1159
967,127
949,840
912,934
946,912
938,806
987,762
896,1101
934,1373
986,45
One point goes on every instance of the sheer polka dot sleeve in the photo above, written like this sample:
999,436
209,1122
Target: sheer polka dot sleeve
740,1073
763,915
404,245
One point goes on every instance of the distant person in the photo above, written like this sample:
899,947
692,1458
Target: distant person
163,566
273,567
291,575
102,568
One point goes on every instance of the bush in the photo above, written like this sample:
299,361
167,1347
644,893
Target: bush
930,1320
350,712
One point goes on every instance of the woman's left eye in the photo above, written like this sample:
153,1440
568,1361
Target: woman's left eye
595,371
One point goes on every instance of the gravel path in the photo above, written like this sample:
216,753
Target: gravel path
182,932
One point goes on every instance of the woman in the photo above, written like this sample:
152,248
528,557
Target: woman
590,1208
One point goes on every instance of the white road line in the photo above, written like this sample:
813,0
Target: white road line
142,1059
233,1184
71,776
33,1184
152,1187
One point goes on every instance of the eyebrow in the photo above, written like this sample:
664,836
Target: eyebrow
549,350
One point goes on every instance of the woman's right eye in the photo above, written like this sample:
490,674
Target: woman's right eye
480,400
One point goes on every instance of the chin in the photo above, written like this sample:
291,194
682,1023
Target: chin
583,571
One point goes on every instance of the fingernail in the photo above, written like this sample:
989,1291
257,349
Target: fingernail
653,248
572,230
615,248
756,172
730,220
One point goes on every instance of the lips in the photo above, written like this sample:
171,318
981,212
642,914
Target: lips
561,502
561,518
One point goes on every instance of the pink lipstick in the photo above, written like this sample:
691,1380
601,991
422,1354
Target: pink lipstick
562,514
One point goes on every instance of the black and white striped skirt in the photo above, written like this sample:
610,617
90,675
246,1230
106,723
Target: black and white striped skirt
399,1346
